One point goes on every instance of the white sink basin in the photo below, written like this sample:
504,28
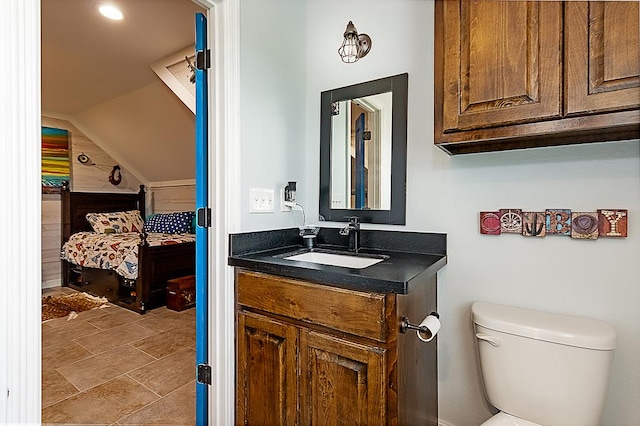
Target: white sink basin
344,261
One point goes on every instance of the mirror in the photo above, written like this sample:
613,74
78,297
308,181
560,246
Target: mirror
363,151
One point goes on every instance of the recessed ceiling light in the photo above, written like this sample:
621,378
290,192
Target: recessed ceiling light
110,12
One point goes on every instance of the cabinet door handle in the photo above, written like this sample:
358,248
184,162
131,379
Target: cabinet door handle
493,340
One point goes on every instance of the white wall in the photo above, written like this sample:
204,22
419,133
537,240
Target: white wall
273,109
150,128
599,279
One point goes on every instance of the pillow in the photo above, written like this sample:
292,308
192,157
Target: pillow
116,222
170,223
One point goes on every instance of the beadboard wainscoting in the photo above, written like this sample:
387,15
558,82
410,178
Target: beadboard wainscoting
171,196
51,240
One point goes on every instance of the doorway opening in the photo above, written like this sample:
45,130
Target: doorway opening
97,82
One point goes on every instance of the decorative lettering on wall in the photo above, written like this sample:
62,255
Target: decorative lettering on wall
534,224
511,221
578,225
613,223
558,221
490,223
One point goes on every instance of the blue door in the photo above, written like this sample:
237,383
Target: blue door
203,370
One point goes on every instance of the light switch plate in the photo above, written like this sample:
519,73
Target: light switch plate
261,200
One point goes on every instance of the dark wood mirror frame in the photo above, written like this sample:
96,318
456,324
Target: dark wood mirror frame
398,86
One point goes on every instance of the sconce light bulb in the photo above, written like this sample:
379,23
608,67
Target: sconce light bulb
350,49
354,46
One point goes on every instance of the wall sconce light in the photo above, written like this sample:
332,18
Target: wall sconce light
354,46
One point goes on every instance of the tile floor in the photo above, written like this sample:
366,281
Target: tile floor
112,366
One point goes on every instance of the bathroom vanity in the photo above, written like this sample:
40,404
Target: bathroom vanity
318,343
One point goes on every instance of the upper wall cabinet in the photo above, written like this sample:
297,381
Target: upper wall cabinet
513,75
602,56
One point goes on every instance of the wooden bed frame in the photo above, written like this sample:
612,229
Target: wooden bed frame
156,264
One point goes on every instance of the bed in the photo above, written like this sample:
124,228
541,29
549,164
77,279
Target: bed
143,287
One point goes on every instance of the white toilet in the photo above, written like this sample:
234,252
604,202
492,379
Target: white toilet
541,368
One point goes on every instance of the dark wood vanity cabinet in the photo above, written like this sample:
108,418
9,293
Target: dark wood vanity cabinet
526,74
309,353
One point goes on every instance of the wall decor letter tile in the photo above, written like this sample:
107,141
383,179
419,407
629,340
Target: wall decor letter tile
511,221
490,223
584,225
558,221
534,224
613,223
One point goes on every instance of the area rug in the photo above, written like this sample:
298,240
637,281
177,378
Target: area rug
69,305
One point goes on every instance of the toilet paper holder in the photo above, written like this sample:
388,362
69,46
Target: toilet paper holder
405,324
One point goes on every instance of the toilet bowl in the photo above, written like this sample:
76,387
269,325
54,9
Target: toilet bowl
542,368
504,419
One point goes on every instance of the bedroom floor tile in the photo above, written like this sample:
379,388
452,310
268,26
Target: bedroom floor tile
62,353
139,371
167,342
53,291
55,387
102,404
113,317
100,368
73,330
167,374
178,408
163,319
113,337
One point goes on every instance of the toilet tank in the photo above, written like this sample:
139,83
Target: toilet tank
547,368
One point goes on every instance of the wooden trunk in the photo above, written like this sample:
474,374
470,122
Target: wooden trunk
181,293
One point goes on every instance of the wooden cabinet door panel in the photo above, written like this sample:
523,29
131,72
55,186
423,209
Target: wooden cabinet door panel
602,43
267,386
502,63
341,382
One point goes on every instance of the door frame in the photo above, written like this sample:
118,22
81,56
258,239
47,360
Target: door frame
223,22
20,23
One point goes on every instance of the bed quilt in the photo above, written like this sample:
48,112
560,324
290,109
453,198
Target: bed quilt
118,252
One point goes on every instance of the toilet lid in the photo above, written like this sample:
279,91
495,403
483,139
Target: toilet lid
504,419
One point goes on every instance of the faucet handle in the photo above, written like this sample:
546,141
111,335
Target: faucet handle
353,220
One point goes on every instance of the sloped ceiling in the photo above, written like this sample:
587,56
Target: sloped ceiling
97,72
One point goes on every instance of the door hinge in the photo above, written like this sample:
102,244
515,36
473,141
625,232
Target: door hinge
204,217
203,59
204,374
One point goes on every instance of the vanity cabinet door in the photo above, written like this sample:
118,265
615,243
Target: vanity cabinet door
267,386
341,382
502,63
602,50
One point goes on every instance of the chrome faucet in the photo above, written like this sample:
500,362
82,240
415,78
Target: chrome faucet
353,231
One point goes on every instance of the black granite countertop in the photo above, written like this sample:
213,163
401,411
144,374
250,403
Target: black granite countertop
410,257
